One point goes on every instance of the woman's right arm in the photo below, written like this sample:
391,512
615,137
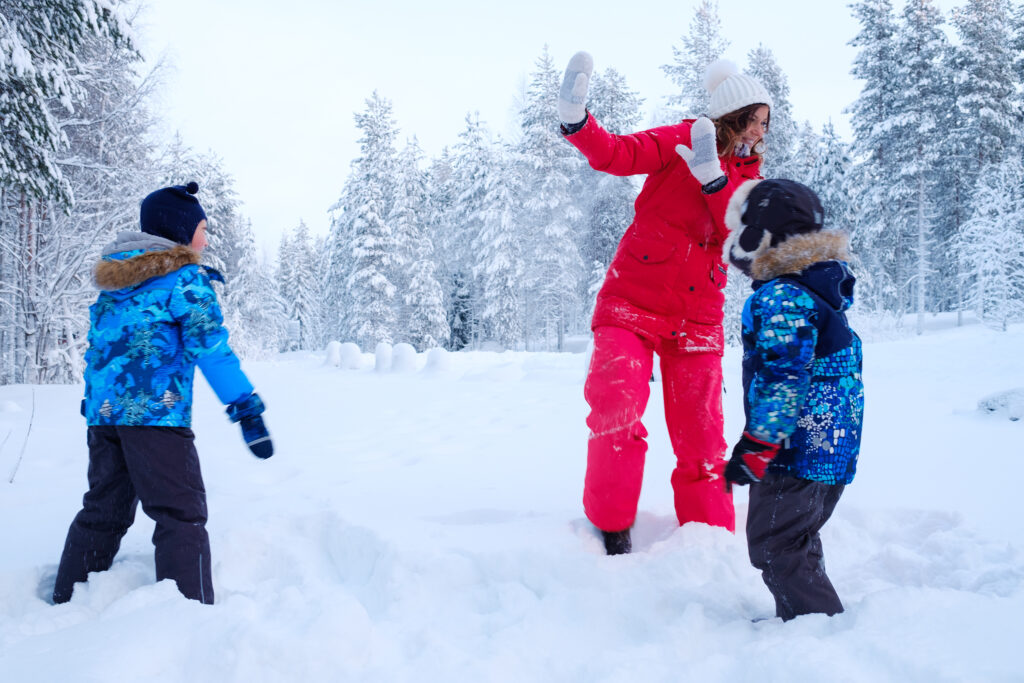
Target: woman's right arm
622,155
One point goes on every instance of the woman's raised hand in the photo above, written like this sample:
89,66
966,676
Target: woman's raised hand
572,97
702,157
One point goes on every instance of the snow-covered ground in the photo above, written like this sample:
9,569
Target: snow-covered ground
426,525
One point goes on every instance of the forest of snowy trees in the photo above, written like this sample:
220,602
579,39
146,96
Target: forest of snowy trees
503,243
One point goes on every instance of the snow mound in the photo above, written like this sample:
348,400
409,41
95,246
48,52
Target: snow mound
9,407
333,351
351,357
1005,403
438,360
382,357
404,358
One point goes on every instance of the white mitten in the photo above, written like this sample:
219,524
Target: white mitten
572,96
702,158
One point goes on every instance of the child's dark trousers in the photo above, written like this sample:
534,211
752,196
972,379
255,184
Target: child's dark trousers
158,466
783,522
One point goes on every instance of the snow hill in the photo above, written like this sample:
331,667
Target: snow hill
423,523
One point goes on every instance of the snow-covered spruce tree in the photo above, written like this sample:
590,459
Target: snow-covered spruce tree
829,178
423,322
471,164
298,285
47,250
444,219
874,168
781,142
498,248
253,307
362,242
38,73
915,124
701,46
984,68
990,246
983,125
1017,24
806,152
554,267
605,201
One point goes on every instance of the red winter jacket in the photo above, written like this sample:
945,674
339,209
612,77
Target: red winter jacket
667,276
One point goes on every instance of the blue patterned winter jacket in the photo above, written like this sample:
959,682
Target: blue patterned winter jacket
802,362
155,320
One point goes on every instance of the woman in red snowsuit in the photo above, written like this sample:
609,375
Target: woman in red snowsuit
663,294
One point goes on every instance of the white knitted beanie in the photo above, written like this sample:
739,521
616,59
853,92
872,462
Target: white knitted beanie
730,90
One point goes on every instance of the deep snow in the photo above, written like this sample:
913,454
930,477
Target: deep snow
426,525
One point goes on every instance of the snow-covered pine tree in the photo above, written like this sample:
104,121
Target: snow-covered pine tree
829,178
471,164
423,322
780,159
252,305
498,249
554,266
39,72
874,169
982,126
367,245
915,124
1017,24
806,153
443,220
299,287
701,46
990,246
47,250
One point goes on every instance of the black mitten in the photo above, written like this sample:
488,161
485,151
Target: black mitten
247,411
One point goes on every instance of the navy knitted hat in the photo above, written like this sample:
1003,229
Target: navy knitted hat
172,212
764,213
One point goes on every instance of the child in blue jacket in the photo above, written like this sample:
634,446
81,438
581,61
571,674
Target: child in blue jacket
803,394
155,320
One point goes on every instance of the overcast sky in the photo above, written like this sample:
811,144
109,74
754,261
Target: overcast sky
271,87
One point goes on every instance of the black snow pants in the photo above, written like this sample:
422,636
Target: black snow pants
158,466
783,522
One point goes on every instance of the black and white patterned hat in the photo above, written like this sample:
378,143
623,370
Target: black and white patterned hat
764,213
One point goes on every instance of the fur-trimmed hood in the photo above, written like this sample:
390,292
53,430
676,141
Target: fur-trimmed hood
798,252
135,257
815,264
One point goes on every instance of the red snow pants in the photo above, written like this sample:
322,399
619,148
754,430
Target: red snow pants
617,389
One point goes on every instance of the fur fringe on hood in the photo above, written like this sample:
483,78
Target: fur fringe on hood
800,251
113,275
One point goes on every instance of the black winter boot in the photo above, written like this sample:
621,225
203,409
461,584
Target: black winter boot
617,542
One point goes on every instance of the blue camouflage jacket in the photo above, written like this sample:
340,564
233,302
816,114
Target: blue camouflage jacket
155,320
801,361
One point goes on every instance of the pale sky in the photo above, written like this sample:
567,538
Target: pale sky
271,87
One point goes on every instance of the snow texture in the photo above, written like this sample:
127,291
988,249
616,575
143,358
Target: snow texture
427,527
1008,404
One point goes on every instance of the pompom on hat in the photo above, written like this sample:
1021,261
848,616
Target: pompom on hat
731,90
172,213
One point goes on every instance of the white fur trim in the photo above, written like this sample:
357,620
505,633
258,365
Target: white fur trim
734,212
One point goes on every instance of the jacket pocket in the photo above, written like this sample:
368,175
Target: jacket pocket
719,275
649,251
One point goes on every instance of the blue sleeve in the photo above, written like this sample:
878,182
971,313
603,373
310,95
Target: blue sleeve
784,340
224,373
204,337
